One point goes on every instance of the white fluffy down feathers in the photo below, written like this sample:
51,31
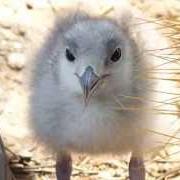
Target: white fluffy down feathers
129,112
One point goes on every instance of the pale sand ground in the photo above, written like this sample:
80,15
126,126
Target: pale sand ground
20,30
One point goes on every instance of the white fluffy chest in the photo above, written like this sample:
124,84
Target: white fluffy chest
66,123
96,128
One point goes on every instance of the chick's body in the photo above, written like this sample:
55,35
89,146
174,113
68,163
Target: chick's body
108,123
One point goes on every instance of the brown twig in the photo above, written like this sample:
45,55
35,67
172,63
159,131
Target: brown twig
5,172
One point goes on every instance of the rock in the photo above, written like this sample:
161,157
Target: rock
17,46
16,60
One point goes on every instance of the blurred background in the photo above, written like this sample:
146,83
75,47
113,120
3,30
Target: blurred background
23,26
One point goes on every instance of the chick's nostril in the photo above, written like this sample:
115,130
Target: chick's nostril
89,69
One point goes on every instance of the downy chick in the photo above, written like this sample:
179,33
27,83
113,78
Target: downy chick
91,90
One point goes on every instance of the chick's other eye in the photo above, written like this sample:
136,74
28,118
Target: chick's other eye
116,55
69,55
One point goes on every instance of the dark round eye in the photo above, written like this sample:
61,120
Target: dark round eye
116,55
70,57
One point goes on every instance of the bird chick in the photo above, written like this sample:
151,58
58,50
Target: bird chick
91,93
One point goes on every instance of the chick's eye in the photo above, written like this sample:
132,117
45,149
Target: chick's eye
70,57
116,55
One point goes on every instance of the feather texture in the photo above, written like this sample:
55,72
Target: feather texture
126,113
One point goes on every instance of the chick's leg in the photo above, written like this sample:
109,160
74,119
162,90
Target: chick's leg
64,167
136,168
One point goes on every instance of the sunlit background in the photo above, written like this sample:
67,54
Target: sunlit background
23,27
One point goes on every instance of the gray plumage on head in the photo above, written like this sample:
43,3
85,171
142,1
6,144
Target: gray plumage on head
101,59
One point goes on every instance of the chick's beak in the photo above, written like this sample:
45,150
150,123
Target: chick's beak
89,81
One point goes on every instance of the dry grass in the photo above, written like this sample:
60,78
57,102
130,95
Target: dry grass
33,164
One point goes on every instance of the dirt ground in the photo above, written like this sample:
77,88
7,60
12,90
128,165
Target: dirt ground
23,25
